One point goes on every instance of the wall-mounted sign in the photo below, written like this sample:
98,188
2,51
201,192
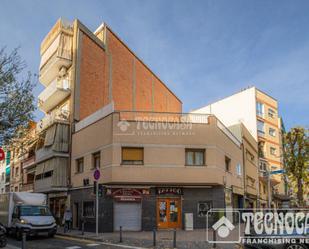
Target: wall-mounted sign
169,190
2,156
127,194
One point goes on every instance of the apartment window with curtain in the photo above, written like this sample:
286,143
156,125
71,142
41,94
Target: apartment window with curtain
195,157
227,163
273,151
132,155
272,132
260,109
260,126
271,113
79,165
96,160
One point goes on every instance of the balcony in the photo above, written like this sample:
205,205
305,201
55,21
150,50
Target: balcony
56,51
56,92
28,162
59,115
27,187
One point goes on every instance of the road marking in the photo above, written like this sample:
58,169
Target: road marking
84,240
73,247
91,245
8,246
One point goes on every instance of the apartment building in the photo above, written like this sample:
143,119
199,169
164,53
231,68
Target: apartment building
85,74
250,165
259,113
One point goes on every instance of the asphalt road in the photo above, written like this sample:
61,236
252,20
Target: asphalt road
58,243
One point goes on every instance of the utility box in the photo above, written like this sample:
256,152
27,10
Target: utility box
189,221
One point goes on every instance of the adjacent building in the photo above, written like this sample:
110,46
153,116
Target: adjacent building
259,113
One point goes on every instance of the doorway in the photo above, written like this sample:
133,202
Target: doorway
169,213
76,215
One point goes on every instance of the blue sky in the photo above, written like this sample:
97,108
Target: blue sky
203,50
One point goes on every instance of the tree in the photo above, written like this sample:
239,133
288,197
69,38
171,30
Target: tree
16,97
296,158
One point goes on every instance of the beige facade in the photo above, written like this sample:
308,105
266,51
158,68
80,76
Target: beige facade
164,154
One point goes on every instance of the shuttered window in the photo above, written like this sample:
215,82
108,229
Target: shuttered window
132,155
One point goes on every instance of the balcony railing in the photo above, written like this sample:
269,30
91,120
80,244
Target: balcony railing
56,51
55,93
28,162
58,115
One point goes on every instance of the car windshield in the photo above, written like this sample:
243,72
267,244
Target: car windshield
34,211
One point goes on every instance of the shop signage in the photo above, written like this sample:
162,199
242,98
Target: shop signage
169,190
127,194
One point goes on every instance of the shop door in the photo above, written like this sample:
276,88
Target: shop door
169,213
128,215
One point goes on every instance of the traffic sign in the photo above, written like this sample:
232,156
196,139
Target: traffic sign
276,172
96,174
2,156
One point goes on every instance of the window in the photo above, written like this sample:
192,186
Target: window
263,166
195,157
203,207
260,109
96,158
272,132
264,189
48,174
16,171
271,113
88,209
133,156
227,164
260,126
273,151
239,170
39,177
79,165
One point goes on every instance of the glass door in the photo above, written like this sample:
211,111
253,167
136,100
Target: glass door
169,213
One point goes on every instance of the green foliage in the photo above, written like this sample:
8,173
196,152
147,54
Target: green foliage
16,96
296,159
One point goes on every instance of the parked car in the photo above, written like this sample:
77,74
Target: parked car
24,212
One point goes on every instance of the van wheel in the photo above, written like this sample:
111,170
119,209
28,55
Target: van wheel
3,242
18,234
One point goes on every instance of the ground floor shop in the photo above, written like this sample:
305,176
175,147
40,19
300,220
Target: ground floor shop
144,208
58,202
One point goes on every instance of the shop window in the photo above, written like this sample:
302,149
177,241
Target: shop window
88,209
195,157
203,207
227,164
132,155
79,165
96,159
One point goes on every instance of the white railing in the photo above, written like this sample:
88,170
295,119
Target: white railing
56,116
227,132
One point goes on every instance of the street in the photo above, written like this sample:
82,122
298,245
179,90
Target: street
58,243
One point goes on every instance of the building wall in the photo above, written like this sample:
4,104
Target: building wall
237,108
113,73
2,176
164,155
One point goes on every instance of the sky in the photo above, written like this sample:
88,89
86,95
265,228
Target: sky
203,50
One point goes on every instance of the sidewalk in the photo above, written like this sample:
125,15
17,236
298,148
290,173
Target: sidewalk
184,239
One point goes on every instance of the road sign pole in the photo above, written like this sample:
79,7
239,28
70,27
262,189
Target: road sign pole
97,209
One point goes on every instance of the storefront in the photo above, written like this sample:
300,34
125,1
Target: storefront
169,212
57,205
127,208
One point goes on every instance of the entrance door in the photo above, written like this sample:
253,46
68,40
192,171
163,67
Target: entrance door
169,213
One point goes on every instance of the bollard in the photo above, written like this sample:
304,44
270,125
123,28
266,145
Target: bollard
214,238
154,237
23,242
83,227
120,234
174,239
